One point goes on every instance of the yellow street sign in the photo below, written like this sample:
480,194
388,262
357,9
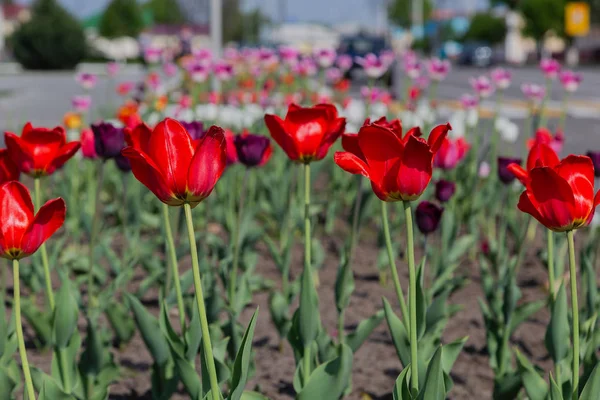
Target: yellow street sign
577,18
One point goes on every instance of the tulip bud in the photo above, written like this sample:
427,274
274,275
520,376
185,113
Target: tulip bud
444,190
428,217
252,150
595,156
504,174
88,147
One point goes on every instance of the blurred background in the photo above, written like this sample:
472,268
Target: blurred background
470,32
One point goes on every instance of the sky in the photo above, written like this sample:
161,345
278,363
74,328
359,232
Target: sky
325,11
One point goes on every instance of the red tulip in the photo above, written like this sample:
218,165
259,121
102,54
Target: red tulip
231,151
544,136
399,168
561,197
451,153
175,168
9,171
540,155
306,134
40,151
88,146
350,140
22,232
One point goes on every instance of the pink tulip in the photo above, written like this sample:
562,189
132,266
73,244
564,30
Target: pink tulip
112,68
170,69
81,103
88,146
289,55
344,62
482,86
333,75
501,78
223,70
152,55
533,91
374,67
325,57
468,101
438,69
86,80
550,68
412,67
199,72
570,80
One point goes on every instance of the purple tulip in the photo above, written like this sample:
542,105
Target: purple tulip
595,156
504,174
252,150
444,190
428,217
194,128
108,140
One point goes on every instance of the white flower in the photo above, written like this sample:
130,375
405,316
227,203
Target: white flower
509,131
355,112
378,110
458,122
472,118
484,169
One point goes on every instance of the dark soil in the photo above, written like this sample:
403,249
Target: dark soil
375,364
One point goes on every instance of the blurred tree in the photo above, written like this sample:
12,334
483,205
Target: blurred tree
121,18
399,12
512,4
166,12
594,10
542,16
486,28
51,39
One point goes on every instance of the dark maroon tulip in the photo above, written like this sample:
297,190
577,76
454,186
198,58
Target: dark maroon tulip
504,174
444,190
252,150
108,140
595,156
428,217
194,128
123,163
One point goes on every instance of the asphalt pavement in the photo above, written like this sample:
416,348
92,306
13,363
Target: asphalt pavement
44,97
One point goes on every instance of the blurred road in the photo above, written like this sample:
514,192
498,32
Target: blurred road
44,97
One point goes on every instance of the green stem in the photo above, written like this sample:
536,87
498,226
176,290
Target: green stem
94,228
19,328
392,261
64,369
542,121
575,311
125,247
306,361
563,115
355,218
208,353
341,335
47,276
412,301
174,267
551,278
236,241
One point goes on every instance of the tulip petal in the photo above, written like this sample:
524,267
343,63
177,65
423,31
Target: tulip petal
526,205
19,152
207,165
63,155
541,155
554,198
148,173
307,128
350,144
351,163
437,136
171,149
16,213
578,171
26,128
138,137
518,172
335,131
382,150
48,220
278,132
9,171
416,169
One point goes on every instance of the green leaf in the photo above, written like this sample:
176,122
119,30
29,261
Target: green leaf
555,392
7,384
451,352
188,375
120,321
344,284
355,339
401,389
592,386
330,379
421,302
40,322
535,386
507,387
523,312
398,333
64,321
150,331
249,395
308,310
242,362
459,247
558,332
434,387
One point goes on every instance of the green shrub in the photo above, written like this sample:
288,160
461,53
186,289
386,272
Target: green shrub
486,28
51,39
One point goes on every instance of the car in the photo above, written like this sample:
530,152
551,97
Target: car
477,54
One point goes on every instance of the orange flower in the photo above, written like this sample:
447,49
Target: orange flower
128,114
72,120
